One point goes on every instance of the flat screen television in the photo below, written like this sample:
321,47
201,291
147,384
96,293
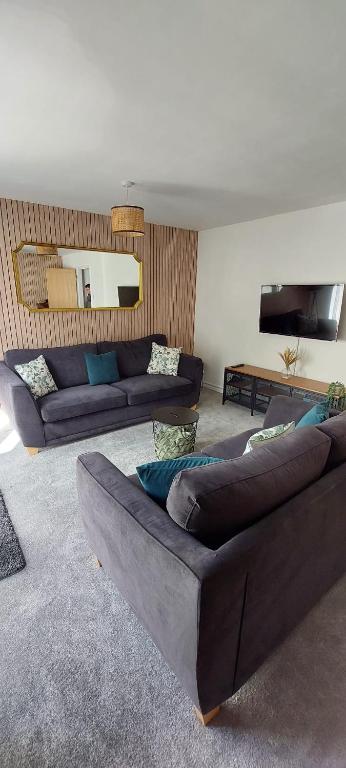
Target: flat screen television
307,311
128,295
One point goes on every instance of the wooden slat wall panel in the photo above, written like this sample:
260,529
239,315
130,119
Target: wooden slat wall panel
169,258
33,279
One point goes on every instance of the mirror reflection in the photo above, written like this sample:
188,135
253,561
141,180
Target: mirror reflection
50,277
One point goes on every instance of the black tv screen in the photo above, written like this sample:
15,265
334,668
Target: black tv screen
307,311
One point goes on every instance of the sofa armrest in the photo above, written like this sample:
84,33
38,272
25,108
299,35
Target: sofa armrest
21,408
188,597
101,482
191,367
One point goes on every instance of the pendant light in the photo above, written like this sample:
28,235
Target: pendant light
128,219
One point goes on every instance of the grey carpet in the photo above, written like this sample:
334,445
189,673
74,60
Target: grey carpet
11,555
81,683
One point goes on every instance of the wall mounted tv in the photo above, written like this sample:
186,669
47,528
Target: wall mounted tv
307,311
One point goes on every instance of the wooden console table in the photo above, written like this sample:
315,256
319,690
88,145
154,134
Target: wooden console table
254,387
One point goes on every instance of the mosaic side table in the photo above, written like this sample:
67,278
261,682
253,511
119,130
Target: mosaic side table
174,430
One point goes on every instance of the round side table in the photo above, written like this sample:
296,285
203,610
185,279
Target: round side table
174,429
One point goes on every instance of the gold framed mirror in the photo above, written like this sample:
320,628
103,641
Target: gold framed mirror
62,278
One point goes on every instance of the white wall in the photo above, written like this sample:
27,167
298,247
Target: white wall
120,269
107,272
306,246
91,260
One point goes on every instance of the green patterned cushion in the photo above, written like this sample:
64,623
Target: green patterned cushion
266,436
37,376
164,360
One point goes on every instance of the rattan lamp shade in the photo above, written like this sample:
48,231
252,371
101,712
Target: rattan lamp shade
128,220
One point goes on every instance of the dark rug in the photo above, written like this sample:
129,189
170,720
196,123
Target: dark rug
11,556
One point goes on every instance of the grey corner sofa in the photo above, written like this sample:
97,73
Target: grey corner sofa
79,410
217,608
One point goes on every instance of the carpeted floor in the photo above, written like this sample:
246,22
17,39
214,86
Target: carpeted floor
81,683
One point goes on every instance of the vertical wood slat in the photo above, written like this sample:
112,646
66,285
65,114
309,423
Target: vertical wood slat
169,257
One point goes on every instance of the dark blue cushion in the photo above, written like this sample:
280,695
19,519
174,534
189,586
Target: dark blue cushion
157,476
102,369
316,415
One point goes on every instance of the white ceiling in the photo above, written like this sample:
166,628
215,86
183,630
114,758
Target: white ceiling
220,110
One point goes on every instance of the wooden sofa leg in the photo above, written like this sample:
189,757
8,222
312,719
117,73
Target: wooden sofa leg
98,563
194,407
205,719
32,451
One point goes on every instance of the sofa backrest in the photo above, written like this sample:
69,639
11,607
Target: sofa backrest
216,502
66,364
133,356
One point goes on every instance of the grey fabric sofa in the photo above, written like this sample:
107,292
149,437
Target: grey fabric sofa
80,410
216,613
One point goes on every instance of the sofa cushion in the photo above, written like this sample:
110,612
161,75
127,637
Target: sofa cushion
37,376
216,502
269,435
335,428
156,477
317,414
78,401
164,360
66,364
147,388
231,448
102,368
133,356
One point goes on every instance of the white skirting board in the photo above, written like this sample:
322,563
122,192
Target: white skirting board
214,387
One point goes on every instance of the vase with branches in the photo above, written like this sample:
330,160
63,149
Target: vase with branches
289,356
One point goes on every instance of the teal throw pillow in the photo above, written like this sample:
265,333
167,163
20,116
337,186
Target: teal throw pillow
157,476
102,369
316,415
